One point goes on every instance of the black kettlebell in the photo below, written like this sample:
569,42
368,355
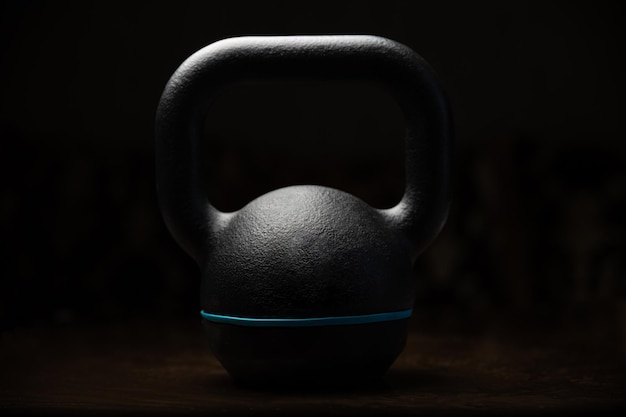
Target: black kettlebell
305,283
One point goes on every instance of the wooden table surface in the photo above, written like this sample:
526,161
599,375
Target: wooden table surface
150,367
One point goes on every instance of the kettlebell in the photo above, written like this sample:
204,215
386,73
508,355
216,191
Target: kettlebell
305,284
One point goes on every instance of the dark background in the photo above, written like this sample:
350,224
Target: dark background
537,224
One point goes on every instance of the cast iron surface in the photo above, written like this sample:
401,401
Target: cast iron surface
307,251
304,251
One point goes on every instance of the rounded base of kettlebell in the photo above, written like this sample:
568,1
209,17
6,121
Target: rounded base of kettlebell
319,356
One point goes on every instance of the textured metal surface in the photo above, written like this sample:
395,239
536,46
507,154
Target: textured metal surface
304,251
307,251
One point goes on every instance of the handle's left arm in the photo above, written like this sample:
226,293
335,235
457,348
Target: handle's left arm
189,216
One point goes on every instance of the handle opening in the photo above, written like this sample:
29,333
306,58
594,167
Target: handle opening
260,136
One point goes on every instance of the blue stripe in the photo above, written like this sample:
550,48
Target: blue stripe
307,322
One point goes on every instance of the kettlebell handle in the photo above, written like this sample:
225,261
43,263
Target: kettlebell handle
188,214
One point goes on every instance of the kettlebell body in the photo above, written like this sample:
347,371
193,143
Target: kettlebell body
305,283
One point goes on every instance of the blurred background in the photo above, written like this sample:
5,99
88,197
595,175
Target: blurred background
537,224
